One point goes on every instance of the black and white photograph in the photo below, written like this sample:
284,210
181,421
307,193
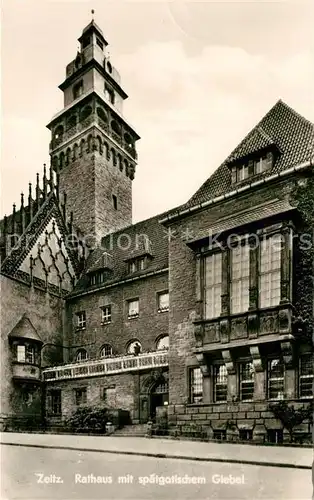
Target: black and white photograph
157,250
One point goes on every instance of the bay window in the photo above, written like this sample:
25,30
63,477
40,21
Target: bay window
270,271
212,285
240,277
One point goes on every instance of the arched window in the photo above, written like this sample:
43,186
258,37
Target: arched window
106,351
85,112
58,133
71,121
163,343
134,347
81,355
116,127
102,115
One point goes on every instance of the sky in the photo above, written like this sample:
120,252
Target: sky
199,76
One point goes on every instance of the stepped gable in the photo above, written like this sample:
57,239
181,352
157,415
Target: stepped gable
282,128
147,237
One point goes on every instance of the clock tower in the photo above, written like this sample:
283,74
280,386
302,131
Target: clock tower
93,147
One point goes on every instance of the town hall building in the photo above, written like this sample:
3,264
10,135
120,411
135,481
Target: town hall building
203,313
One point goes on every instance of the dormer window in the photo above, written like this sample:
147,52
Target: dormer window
252,167
137,265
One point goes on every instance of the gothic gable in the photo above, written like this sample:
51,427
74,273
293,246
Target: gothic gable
48,258
41,255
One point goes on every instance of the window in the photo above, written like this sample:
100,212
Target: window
246,376
270,275
275,375
58,133
80,396
245,435
263,164
25,354
137,265
196,385
220,383
163,343
220,434
81,320
99,43
109,94
212,285
115,202
134,347
133,308
106,351
306,376
97,278
78,89
86,42
251,167
106,314
54,402
275,436
163,302
81,355
242,172
240,272
28,397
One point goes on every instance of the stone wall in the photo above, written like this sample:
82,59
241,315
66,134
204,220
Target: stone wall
147,328
45,312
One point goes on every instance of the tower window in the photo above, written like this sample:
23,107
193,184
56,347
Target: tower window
78,89
115,202
109,94
99,42
86,42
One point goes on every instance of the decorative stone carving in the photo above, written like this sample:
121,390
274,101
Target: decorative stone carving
211,333
224,330
287,353
199,333
285,321
269,323
256,358
226,354
238,328
252,324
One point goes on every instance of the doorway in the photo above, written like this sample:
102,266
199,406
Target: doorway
159,397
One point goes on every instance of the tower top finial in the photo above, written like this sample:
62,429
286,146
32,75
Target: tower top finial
92,12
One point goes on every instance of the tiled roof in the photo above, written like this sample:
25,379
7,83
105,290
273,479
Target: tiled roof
25,329
282,127
127,243
247,216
